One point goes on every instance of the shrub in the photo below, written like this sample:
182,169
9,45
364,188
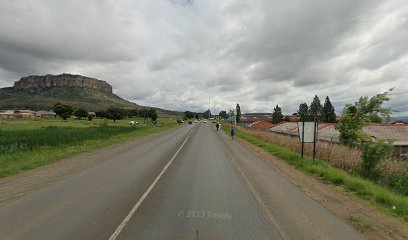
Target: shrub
372,153
398,182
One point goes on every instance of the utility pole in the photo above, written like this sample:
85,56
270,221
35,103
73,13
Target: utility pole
209,105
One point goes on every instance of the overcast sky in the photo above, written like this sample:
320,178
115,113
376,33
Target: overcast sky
172,53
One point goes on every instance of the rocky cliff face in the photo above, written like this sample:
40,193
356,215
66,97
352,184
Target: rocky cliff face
63,80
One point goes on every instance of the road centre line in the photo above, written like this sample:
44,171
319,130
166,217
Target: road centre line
122,225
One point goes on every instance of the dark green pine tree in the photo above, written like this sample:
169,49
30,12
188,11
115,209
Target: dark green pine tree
303,111
238,116
328,112
315,108
277,115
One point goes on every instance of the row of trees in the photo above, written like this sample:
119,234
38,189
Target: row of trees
206,114
325,113
191,115
120,113
113,113
65,112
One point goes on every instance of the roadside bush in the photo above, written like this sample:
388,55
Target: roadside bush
372,153
398,182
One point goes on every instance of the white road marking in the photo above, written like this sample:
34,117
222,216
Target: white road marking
134,209
256,195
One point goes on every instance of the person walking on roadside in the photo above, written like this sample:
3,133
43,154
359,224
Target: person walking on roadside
232,133
217,126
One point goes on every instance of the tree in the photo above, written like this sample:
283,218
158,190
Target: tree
315,110
286,119
238,116
133,113
303,111
100,114
81,113
328,113
354,117
154,116
206,114
143,113
115,113
188,115
62,110
223,114
277,115
374,118
146,113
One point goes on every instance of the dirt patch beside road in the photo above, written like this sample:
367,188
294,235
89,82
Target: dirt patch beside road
366,219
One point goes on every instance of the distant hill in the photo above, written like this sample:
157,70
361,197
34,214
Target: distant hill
42,92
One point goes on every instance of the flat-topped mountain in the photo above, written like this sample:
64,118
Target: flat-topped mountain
42,92
63,80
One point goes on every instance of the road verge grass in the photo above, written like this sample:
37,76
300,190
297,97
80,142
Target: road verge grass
380,197
30,144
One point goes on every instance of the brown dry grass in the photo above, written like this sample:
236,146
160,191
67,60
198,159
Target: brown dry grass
339,156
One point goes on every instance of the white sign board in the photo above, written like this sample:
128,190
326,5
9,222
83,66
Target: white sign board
232,119
309,134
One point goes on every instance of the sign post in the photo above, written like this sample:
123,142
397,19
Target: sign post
315,139
303,135
308,134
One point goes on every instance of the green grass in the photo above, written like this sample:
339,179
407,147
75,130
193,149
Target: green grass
380,197
26,144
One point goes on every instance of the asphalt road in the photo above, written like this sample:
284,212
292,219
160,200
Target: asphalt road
213,188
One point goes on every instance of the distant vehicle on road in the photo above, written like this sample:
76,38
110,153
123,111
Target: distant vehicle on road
190,122
205,121
180,121
133,123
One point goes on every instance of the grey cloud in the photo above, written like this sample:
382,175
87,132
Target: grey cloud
171,53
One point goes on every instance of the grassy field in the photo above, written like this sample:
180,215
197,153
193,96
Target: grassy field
29,143
382,198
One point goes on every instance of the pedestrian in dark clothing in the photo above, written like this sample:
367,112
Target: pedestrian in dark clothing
217,126
232,133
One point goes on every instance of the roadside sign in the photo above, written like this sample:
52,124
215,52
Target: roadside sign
310,132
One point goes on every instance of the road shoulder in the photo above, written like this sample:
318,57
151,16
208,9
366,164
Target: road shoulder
366,219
